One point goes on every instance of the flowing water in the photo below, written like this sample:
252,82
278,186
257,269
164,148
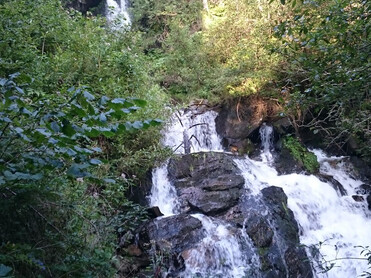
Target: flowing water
117,14
333,223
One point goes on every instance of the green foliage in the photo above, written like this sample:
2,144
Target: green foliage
222,52
327,46
67,136
39,135
301,154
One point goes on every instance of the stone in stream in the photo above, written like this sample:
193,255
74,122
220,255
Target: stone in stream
206,182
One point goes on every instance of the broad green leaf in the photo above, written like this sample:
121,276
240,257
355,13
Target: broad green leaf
102,118
25,111
104,100
67,128
44,132
4,270
78,110
95,161
19,90
97,149
55,127
23,79
77,170
21,176
137,125
88,95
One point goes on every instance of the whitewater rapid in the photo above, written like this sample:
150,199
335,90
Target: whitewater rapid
332,223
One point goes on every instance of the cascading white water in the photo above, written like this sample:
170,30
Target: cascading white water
195,131
334,223
337,222
116,12
219,254
184,132
163,194
266,136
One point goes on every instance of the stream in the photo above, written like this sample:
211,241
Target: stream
333,223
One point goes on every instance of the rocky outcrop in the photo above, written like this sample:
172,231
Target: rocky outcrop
172,234
212,184
239,120
206,182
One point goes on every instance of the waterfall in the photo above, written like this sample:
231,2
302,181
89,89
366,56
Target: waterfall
332,223
266,136
196,132
117,14
163,194
219,253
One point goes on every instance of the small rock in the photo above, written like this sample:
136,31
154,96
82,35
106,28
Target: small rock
358,198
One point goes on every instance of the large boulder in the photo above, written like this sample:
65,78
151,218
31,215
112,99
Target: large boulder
173,234
206,182
240,119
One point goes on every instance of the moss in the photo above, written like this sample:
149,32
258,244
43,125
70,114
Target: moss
301,154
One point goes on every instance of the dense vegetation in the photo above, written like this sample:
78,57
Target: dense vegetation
74,136
80,103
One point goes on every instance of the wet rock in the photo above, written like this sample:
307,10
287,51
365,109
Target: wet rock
358,198
238,118
210,203
362,169
259,231
206,182
369,201
138,193
200,166
363,189
83,5
297,263
154,212
173,234
283,217
335,184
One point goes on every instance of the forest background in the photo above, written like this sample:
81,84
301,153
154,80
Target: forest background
82,105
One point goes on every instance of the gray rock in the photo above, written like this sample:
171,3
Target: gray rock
206,182
173,234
